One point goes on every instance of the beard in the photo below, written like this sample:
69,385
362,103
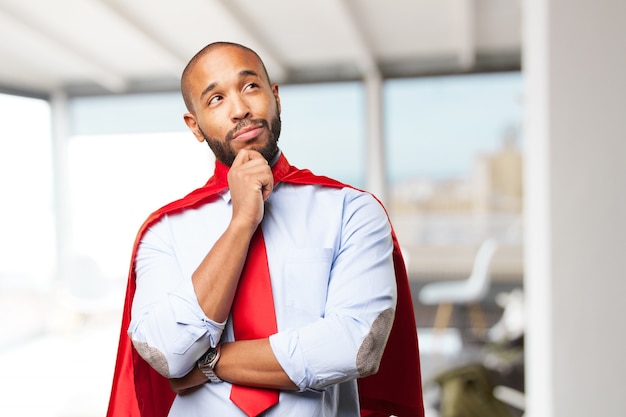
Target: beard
224,151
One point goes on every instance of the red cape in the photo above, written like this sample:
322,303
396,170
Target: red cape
139,391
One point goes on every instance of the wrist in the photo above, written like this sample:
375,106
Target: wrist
207,363
241,226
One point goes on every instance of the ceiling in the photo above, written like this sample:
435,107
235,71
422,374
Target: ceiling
88,47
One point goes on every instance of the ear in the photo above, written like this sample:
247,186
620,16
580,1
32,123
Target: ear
276,96
192,124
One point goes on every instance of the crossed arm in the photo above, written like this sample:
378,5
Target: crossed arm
246,362
249,362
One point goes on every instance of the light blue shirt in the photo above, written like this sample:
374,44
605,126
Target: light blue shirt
330,258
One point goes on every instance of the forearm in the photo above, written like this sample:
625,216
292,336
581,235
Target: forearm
189,382
216,278
247,362
252,363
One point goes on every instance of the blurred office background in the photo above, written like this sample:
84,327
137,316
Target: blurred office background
493,130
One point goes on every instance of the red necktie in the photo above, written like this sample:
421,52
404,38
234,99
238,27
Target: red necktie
254,317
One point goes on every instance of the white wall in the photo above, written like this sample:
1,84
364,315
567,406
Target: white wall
575,69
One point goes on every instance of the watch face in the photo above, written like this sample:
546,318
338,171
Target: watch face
207,362
209,356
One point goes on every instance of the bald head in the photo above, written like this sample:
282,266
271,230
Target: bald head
185,85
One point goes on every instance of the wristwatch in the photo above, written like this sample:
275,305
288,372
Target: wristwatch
207,362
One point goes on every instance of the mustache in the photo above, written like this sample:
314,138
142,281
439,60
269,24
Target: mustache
244,124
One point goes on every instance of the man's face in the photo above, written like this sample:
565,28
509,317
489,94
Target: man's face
234,105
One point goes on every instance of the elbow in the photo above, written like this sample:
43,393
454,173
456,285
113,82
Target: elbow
159,361
371,350
154,357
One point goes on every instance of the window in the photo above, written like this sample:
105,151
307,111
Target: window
454,156
27,235
27,239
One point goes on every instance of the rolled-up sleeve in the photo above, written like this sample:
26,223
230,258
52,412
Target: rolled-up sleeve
168,328
348,338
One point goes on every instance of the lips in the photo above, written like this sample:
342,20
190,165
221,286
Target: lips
248,132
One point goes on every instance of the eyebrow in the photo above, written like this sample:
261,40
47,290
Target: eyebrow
242,74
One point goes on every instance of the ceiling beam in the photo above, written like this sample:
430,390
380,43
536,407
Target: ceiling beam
99,72
366,61
264,48
467,34
178,59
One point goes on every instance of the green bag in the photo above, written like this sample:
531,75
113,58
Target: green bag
468,392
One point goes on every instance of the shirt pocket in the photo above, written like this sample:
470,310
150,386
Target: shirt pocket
187,338
307,273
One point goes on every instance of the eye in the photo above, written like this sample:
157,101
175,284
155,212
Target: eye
251,86
214,100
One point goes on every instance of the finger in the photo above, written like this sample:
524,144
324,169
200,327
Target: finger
258,164
252,154
240,159
251,163
262,173
246,155
267,187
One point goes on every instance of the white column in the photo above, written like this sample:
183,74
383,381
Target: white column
376,179
60,134
575,179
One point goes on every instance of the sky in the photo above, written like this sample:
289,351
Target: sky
433,126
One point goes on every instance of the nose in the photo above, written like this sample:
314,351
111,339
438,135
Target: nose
240,108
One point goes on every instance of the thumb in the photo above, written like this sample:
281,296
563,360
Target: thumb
246,155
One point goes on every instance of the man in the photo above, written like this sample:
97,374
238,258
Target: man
269,290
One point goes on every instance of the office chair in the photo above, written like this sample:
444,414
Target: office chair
470,291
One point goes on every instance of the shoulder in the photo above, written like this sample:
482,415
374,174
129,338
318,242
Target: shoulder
198,197
346,201
180,215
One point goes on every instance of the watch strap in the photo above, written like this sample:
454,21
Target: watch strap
207,363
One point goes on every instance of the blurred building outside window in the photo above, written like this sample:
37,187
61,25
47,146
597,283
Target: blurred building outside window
454,157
